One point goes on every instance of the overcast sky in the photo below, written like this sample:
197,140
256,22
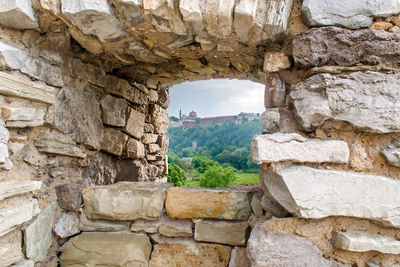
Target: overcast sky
217,97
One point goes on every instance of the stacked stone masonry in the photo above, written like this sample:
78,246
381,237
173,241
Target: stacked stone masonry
84,92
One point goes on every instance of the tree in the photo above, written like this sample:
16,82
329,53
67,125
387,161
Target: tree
174,119
176,175
202,163
217,176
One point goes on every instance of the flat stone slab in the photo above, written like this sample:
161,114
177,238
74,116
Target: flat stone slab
59,144
313,193
14,188
17,215
87,225
18,14
266,249
189,253
277,147
366,100
38,236
150,227
353,14
175,228
364,241
106,249
125,201
189,203
230,233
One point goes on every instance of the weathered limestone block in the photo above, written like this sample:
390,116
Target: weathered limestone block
277,147
67,225
139,51
21,117
102,22
125,201
150,227
360,160
69,196
149,138
114,141
373,264
135,123
153,148
16,59
24,88
88,72
10,249
275,91
107,249
17,215
368,101
189,253
239,258
364,241
191,12
392,153
78,114
25,263
131,170
229,233
14,188
122,88
130,11
265,249
18,14
134,149
87,225
354,15
278,120
175,228
244,14
188,203
335,193
165,16
38,235
159,119
336,46
163,141
59,144
275,61
113,110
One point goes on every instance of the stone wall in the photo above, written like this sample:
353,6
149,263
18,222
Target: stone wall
83,98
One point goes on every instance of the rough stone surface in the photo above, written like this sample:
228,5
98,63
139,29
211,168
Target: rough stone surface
125,201
175,228
275,61
131,170
335,193
271,207
122,88
67,225
17,215
239,258
336,46
18,14
148,138
278,120
114,141
230,233
113,110
78,113
392,153
107,249
134,149
59,144
10,249
187,203
354,15
159,119
150,227
69,196
366,100
14,188
103,23
189,253
22,117
266,249
26,263
87,225
294,147
364,241
38,235
275,91
135,123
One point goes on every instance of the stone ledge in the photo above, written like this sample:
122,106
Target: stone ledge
13,188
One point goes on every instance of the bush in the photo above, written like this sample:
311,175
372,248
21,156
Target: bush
217,176
202,163
176,175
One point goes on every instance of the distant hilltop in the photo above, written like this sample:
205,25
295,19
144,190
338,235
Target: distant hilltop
191,120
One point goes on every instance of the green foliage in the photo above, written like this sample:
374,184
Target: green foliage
176,175
202,163
217,176
174,119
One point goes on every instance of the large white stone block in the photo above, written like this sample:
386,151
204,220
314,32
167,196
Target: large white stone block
277,147
17,14
314,193
17,215
94,17
13,188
